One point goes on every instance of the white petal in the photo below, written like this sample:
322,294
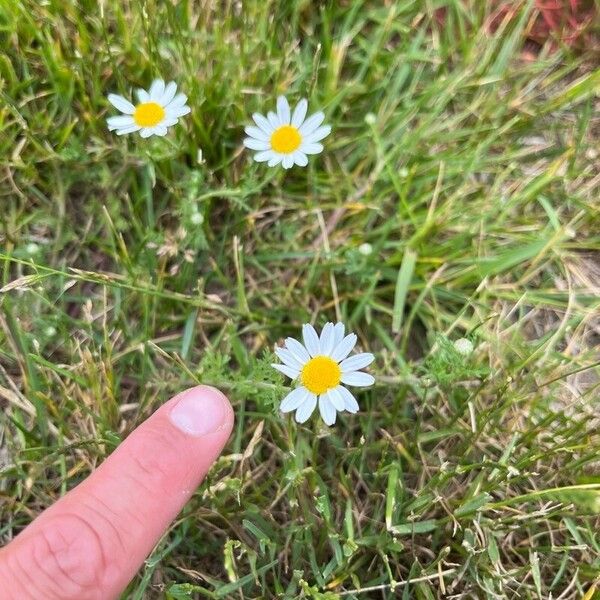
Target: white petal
340,328
157,89
327,339
256,144
327,410
294,399
356,362
264,156
298,350
179,100
120,121
130,129
256,133
344,347
275,159
289,371
312,148
168,94
123,105
335,398
142,95
350,403
358,379
317,135
311,339
263,123
306,409
300,158
160,130
311,123
299,112
283,110
168,122
177,112
287,358
287,161
146,132
273,120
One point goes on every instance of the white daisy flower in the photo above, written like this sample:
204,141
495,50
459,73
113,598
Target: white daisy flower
157,109
321,365
285,137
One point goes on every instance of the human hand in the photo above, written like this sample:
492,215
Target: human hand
90,543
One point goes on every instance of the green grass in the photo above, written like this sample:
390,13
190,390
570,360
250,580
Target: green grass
474,179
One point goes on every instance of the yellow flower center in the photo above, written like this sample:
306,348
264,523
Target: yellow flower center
148,114
320,374
285,139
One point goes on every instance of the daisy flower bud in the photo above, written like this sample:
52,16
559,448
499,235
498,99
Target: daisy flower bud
463,346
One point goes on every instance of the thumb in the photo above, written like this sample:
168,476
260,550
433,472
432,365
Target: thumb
90,543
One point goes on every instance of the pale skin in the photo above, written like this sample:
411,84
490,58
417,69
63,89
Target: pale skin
91,543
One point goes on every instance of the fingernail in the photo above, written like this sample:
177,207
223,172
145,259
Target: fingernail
199,411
